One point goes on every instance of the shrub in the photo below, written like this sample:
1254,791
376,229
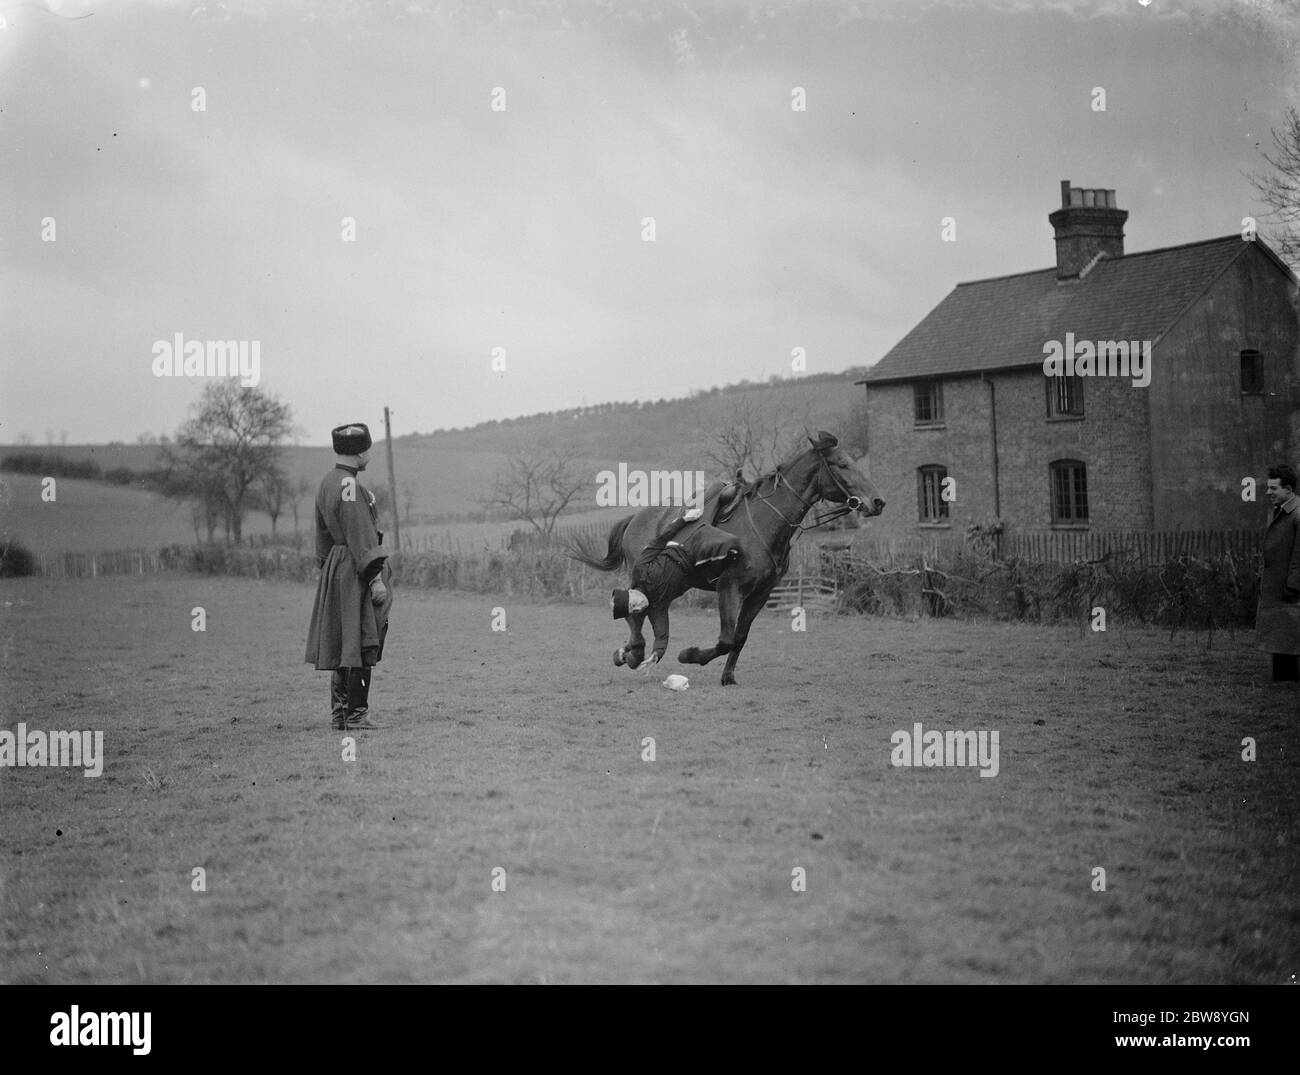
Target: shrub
1185,592
16,561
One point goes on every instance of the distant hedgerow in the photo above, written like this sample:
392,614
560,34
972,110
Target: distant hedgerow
48,465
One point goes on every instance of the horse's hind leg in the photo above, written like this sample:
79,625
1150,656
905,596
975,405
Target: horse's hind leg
729,603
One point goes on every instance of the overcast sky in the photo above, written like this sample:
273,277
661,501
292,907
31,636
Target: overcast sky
522,229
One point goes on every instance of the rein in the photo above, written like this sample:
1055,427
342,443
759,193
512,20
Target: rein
850,505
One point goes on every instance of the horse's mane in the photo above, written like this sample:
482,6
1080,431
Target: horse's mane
747,488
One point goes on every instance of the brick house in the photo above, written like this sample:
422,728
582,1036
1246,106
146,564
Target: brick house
965,394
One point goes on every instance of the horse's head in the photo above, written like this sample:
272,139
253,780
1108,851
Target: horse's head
841,481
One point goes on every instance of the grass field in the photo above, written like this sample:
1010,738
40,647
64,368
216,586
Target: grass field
90,516
522,750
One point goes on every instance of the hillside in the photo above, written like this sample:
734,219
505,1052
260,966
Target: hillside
444,475
673,433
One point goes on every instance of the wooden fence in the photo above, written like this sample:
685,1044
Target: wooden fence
812,593
596,534
90,565
1045,546
811,562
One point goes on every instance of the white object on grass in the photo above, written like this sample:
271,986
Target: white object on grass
677,683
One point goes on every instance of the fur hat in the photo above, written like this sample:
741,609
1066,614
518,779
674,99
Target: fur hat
352,439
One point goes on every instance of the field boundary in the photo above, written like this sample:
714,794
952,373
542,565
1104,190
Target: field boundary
812,593
1215,590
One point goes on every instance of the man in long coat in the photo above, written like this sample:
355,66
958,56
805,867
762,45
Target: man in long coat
350,617
1277,623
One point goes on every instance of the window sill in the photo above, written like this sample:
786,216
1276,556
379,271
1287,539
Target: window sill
1071,526
930,425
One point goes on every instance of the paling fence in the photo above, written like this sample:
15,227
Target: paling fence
1199,578
260,561
82,565
1063,546
596,534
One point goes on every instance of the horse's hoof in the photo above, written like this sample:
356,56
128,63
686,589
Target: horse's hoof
728,680
618,658
690,655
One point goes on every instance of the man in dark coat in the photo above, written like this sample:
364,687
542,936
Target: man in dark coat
350,617
1277,623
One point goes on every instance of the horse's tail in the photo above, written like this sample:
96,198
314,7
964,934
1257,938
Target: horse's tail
581,550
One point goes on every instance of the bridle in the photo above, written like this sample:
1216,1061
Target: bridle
851,503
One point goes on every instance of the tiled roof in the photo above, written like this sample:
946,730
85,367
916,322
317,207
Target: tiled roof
1004,322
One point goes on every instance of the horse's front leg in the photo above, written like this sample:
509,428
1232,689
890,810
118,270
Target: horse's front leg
729,603
749,610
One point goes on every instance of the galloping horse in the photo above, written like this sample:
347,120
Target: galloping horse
765,516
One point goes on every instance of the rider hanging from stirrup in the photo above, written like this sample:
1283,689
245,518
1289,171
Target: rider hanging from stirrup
666,569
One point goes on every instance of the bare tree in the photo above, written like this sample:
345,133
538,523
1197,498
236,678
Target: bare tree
753,435
272,494
205,514
536,485
298,492
1279,188
227,450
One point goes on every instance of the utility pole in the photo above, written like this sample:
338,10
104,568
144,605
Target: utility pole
392,483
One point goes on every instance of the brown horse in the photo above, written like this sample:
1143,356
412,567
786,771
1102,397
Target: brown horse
765,516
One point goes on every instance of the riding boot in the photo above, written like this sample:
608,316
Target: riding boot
359,699
338,698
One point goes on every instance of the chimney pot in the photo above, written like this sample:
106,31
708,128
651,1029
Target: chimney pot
1088,223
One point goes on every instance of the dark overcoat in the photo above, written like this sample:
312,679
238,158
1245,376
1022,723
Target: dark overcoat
1277,622
347,630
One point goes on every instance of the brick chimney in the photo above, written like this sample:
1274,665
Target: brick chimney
1087,224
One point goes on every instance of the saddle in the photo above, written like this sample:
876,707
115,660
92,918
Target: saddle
700,548
727,499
